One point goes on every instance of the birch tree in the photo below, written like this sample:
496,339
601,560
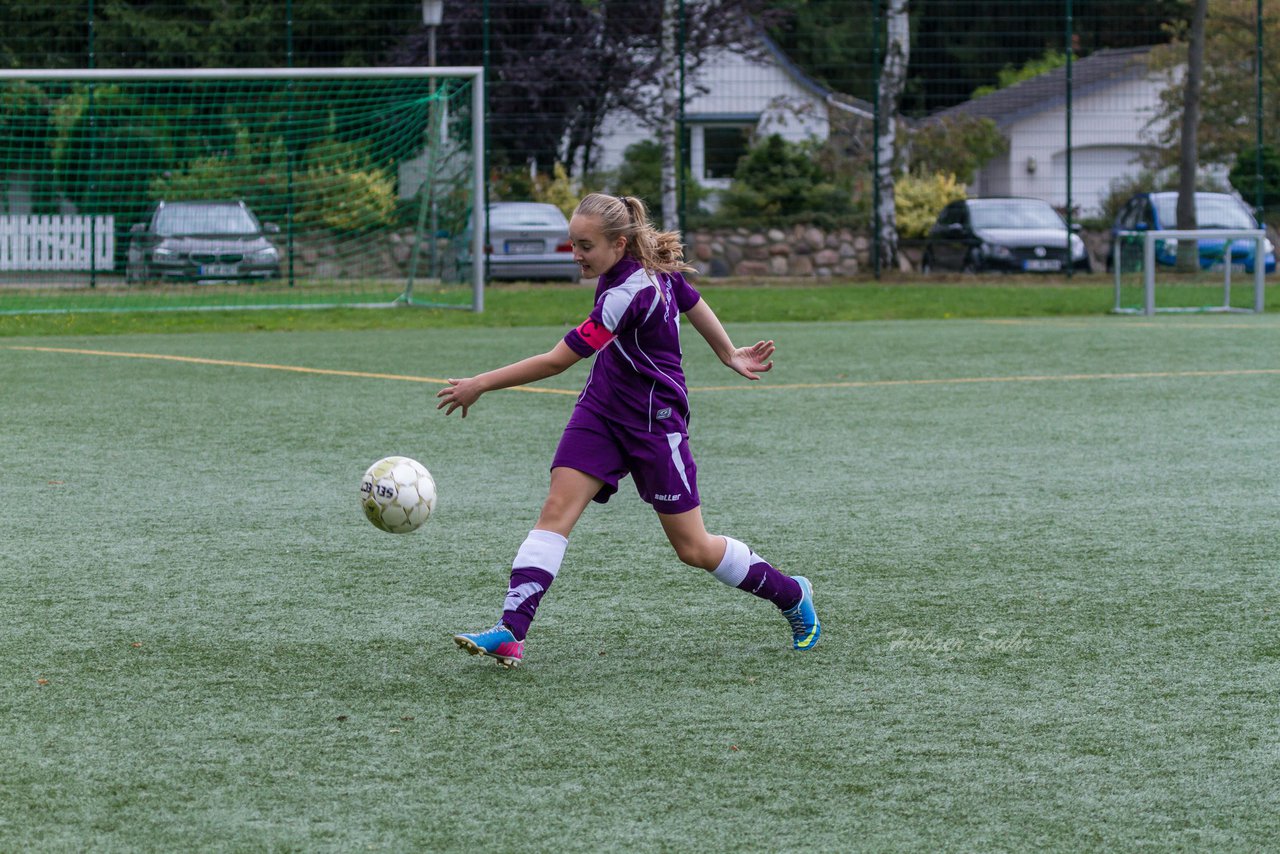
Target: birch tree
670,83
892,80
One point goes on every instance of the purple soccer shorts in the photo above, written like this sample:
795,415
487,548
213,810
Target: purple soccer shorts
659,461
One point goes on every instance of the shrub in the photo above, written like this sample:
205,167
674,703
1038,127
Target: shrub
1010,76
510,183
335,187
641,175
346,199
780,181
558,189
258,176
516,184
1244,173
104,158
959,145
919,198
25,121
341,189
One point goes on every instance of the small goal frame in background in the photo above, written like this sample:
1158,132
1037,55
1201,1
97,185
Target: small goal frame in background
1149,238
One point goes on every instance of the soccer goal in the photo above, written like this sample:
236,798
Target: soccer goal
234,188
1223,248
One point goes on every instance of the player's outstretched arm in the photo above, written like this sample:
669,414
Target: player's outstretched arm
748,361
461,394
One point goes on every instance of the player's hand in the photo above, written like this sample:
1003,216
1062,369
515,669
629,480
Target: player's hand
754,360
460,394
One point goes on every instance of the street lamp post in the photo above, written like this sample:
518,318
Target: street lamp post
432,15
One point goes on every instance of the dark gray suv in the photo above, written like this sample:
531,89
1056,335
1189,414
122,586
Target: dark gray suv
202,240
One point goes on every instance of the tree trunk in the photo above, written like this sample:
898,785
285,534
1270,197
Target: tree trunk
892,79
1188,250
670,113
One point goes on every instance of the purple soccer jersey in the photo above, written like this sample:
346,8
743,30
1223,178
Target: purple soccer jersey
637,378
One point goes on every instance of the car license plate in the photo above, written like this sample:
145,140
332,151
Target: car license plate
1041,265
524,247
219,270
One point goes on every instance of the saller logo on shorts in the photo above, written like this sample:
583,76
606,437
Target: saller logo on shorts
665,412
668,497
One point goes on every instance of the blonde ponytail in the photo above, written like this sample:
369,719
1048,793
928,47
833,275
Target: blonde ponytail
627,216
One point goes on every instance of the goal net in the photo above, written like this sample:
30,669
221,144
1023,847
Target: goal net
221,188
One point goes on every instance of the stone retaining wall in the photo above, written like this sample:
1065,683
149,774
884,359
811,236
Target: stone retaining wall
808,251
802,250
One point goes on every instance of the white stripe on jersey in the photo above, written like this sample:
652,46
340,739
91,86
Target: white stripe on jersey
672,383
619,298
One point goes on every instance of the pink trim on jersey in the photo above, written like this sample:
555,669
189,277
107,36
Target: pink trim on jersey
596,336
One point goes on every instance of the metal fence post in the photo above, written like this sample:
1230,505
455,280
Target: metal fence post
875,142
93,159
1259,196
1149,273
1070,27
682,161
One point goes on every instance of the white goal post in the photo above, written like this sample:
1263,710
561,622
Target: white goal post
1149,238
466,171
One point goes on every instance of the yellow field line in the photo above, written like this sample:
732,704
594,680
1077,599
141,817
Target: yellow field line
1027,378
298,369
1128,323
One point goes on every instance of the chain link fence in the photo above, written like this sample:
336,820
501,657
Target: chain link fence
752,125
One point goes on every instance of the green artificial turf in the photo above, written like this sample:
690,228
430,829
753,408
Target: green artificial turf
524,305
1043,550
734,300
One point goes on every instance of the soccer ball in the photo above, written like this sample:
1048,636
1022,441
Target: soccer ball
397,494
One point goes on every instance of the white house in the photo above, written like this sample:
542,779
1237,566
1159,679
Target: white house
1115,98
731,98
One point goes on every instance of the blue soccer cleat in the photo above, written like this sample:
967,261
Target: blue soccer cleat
497,642
805,628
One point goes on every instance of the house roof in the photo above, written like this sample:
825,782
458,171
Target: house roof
1049,90
830,96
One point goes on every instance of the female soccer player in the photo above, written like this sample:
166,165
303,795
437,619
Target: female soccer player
631,418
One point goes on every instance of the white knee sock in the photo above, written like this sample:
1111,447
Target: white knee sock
733,566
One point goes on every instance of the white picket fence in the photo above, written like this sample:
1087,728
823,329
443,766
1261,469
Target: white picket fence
57,242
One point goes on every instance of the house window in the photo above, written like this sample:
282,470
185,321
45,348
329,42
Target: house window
715,149
725,146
